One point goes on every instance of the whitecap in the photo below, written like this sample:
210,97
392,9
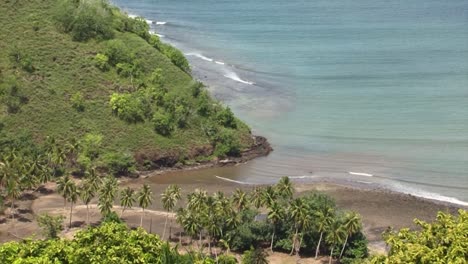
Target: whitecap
161,23
235,77
198,55
361,174
219,62
230,180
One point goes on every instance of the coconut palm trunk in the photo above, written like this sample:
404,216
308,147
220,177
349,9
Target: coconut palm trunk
71,212
318,245
165,224
331,256
142,214
344,245
294,241
272,239
87,214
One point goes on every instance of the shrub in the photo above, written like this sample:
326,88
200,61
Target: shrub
154,41
117,52
125,69
227,144
157,77
226,118
204,105
127,107
176,57
255,256
139,26
162,123
91,145
85,20
101,61
11,94
77,101
119,163
227,259
50,225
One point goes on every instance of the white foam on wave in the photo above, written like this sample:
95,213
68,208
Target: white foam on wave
361,174
427,195
219,62
230,180
161,23
235,77
302,177
200,56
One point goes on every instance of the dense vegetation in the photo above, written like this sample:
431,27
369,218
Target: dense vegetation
110,242
70,69
443,241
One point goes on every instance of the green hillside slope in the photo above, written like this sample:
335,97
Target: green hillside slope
61,62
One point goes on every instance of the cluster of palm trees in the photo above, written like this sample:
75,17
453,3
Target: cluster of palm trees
25,170
106,190
217,215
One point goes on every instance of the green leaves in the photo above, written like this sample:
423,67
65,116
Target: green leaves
443,241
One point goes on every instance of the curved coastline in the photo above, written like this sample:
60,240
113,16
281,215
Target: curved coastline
434,197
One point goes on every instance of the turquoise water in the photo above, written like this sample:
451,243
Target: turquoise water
375,87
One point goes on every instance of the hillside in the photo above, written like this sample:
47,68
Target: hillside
82,71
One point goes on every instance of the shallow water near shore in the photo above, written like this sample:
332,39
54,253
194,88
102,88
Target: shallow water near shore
375,88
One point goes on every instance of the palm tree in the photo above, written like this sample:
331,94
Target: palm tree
351,224
107,195
257,197
72,197
64,187
240,199
169,199
298,211
13,192
87,193
176,193
324,220
127,199
335,236
93,179
269,195
284,188
275,214
145,199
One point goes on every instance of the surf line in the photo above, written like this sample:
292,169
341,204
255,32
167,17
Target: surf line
361,174
230,180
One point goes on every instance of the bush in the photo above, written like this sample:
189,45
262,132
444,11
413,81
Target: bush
255,256
176,57
162,123
227,144
226,118
77,101
101,61
50,225
117,52
91,145
119,163
11,94
155,42
127,107
227,259
87,19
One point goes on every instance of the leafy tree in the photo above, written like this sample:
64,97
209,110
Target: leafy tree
127,107
145,199
50,225
117,52
443,241
227,144
119,163
127,198
176,57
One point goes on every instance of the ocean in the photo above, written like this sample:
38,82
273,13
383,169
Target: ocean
368,92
